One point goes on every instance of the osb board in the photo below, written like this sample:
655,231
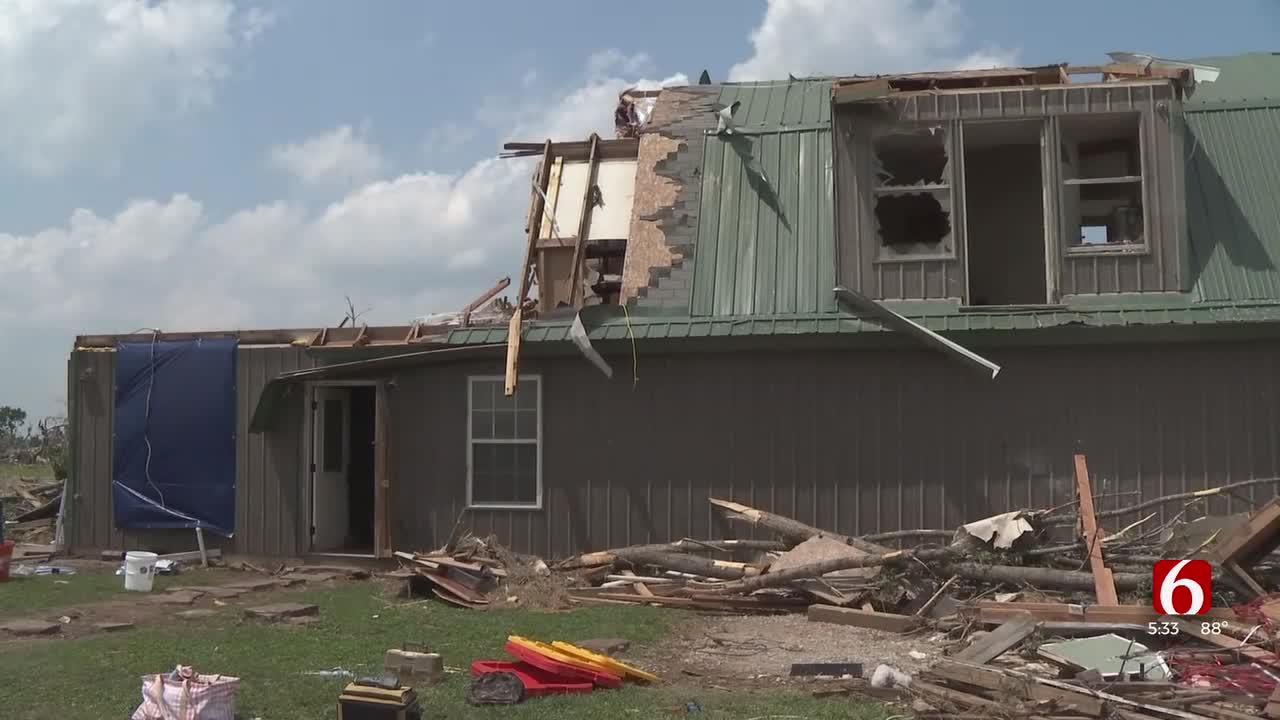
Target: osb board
647,244
554,281
820,549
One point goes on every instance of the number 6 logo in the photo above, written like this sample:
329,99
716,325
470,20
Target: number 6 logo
1193,577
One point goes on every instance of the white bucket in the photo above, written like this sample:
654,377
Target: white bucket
139,570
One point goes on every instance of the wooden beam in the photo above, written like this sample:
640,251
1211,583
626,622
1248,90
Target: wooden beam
362,337
382,471
513,350
535,223
1005,637
584,223
862,618
483,300
1104,584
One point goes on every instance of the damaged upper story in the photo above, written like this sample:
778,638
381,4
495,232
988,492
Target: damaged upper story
1136,183
1023,194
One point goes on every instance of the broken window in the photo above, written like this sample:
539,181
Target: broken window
912,192
504,443
1102,180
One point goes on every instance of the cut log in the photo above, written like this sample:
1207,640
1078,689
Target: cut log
793,530
692,564
818,569
1039,577
862,618
609,557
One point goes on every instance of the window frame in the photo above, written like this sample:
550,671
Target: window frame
472,442
1069,248
883,251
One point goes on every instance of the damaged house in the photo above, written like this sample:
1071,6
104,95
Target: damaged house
868,303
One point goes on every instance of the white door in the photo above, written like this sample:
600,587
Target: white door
331,425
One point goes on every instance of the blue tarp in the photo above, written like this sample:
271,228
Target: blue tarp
175,444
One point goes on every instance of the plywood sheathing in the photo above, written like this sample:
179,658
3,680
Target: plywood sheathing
647,243
680,119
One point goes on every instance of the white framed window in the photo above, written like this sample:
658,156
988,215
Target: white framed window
504,443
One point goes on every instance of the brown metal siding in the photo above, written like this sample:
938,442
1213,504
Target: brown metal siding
269,494
1157,270
854,441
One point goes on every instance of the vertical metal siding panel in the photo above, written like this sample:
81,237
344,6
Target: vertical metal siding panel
809,165
789,236
766,251
710,210
244,413
106,533
733,187
847,204
828,249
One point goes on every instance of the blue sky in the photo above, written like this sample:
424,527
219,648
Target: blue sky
195,164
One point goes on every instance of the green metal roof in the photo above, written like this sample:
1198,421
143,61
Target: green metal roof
766,236
1233,180
652,328
1245,79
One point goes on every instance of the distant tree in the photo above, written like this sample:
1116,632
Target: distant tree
11,419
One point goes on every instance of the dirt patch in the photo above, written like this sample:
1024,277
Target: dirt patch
88,618
756,650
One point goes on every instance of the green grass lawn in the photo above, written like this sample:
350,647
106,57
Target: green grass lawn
35,594
100,676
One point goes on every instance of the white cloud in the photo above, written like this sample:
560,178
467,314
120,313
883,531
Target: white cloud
404,245
343,154
256,22
80,77
848,37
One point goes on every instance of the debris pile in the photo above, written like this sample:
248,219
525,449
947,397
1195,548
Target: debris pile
30,516
1040,613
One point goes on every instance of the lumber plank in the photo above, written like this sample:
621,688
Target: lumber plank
963,699
1104,584
1023,686
1191,628
862,618
1013,631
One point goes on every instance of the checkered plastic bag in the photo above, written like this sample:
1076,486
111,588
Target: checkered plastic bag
185,694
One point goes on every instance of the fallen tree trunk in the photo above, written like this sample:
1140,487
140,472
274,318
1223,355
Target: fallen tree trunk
1039,577
692,564
818,569
609,557
793,530
1071,519
903,534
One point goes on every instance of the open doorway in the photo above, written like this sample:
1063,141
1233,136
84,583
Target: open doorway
343,468
1004,204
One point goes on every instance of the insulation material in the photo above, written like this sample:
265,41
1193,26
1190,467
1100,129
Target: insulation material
610,220
1001,530
175,435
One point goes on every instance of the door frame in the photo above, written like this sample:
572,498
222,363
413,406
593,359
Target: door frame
381,470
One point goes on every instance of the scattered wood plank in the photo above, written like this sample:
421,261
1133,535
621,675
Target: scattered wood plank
719,603
1104,584
863,618
639,587
1005,637
1191,628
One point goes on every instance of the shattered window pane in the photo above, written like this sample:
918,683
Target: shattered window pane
914,223
912,193
915,156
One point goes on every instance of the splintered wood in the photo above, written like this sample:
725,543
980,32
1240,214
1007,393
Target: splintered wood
1104,583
